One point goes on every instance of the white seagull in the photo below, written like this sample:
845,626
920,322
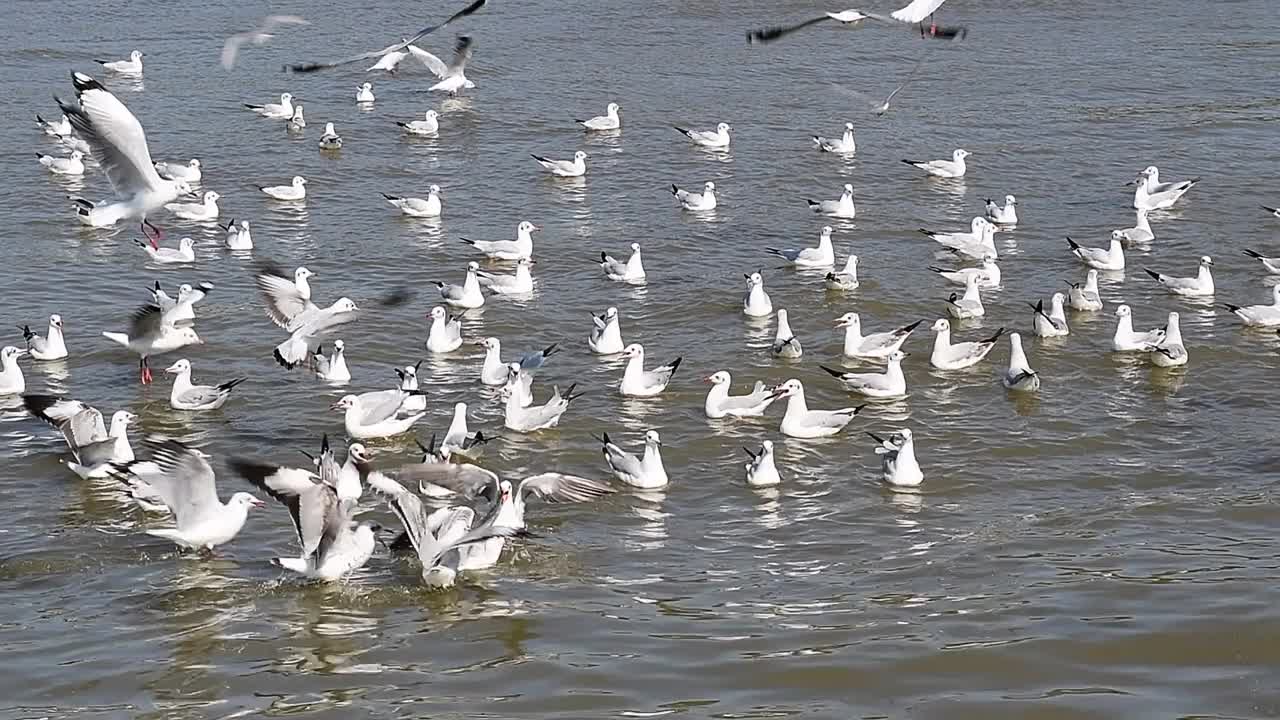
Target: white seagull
1252,315
953,168
696,202
132,66
988,275
519,283
720,404
841,208
1019,376
238,238
309,329
842,146
630,271
287,299
1110,259
93,446
187,396
297,120
1126,340
295,190
646,472
1084,296
1199,286
1144,198
519,249
1170,351
577,167
389,61
428,207
608,121
756,302
52,346
876,346
888,385
762,471
718,138
1003,215
206,209
638,382
467,295
816,257
1054,322
970,304
980,235
429,125
531,418
606,333
445,334
898,466
453,76
257,36
150,333
12,381
846,279
364,94
282,110
801,422
184,253
332,368
57,130
785,342
1138,234
330,139
1272,264
70,165
189,171
957,356
376,415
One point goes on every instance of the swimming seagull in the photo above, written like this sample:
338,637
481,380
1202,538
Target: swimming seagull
720,403
416,402
376,415
494,371
957,356
606,333
756,302
119,145
876,346
1084,296
445,333
608,121
1251,315
718,138
841,145
12,381
646,472
970,304
1006,214
187,396
1138,234
1199,286
1110,259
898,466
822,256
1148,197
785,342
364,94
429,125
978,240
71,165
697,202
467,295
453,76
577,167
297,121
988,275
93,446
1126,340
519,386
295,190
638,382
257,36
427,207
631,271
519,283
132,66
333,368
1272,264
184,253
846,279
518,249
1054,322
312,67
953,168
308,330
330,139
59,129
184,482
52,346
841,208
890,384
151,334
238,238
458,438
1170,350
762,471
282,110
801,422
1019,376
206,209
531,418
189,171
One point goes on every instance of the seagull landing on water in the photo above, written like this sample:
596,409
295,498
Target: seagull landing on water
93,446
257,36
132,66
953,168
389,62
453,76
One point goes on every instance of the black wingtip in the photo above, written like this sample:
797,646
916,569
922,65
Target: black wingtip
1232,308
389,197
551,349
1252,253
675,365
750,454
230,384
1152,273
876,437
995,337
832,373
1074,245
912,326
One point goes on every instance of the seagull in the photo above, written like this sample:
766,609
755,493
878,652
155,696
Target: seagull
577,167
1155,186
980,236
364,94
953,168
531,418
376,417
93,448
890,384
1169,351
295,190
72,165
181,310
519,385
631,271
717,139
330,140
842,208
238,238
844,17
957,356
429,125
331,369
1272,264
445,334
1251,315
846,279
898,466
185,252
521,283
1084,297
12,381
132,66
494,371
416,402
608,121
186,396
1110,259
1144,198
206,209
1275,212
287,299
428,207
519,249
638,382
50,347
876,346
1053,323
697,202
1139,234
1003,215
756,302
1199,286
646,472
151,334
1126,340
606,333
785,342
841,146
184,482
819,257
761,471
312,67
970,304
988,275
119,145
720,404
877,106
189,171
801,422
257,36
56,130
282,110
458,437
389,61
467,295
306,332
297,121
1019,376
453,76
349,482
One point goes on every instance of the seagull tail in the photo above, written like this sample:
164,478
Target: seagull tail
773,251
390,198
1232,308
1264,207
1253,253
682,131
569,395
913,163
674,189
550,350
1152,273
831,372
539,158
228,385
675,364
1074,245
995,337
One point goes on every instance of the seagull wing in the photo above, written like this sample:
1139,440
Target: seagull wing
308,500
114,135
464,479
916,11
433,63
312,67
146,322
557,487
284,302
184,481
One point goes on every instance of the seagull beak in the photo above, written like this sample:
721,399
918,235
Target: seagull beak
172,368
336,406
258,503
706,379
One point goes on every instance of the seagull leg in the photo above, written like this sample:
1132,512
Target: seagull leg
145,368
154,238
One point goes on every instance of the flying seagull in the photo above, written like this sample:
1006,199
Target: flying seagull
312,67
256,36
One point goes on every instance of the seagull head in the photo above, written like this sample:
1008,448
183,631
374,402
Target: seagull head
635,247
11,353
504,491
848,189
1123,311
345,304
179,367
652,438
56,320
1206,261
299,181
612,108
826,231
286,98
328,129
709,187
183,188
960,154
526,227
490,343
338,347
896,356
1010,200
302,274
346,402
787,389
246,501
136,55
366,86
473,266
848,126
634,350
723,128
77,155
187,243
849,320
722,378
941,325
766,447
433,189
193,163
123,418
438,313
755,279
211,197
432,115
358,453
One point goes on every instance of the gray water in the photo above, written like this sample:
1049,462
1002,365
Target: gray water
1105,549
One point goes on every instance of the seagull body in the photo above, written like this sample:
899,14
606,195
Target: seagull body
1019,376
282,110
376,415
890,384
295,190
630,271
531,418
1272,264
132,66
981,233
785,342
429,125
638,382
1151,194
467,295
297,120
519,249
844,145
842,208
1138,234
332,369
1170,351
1003,215
762,471
801,422
287,299
953,168
846,279
1251,315
577,167
52,346
71,165
520,283
815,257
1199,286
308,330
364,94
330,139
718,138
646,472
988,275
428,207
697,202
445,334
238,237
453,77
181,310
186,396
189,171
970,304
608,121
206,209
389,61
1126,340
56,130
720,403
876,346
1085,297
898,466
93,447
184,253
1110,259
756,302
12,381
916,11
257,36
494,372
606,333
519,385
957,356
1054,322
150,333
416,401
458,437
